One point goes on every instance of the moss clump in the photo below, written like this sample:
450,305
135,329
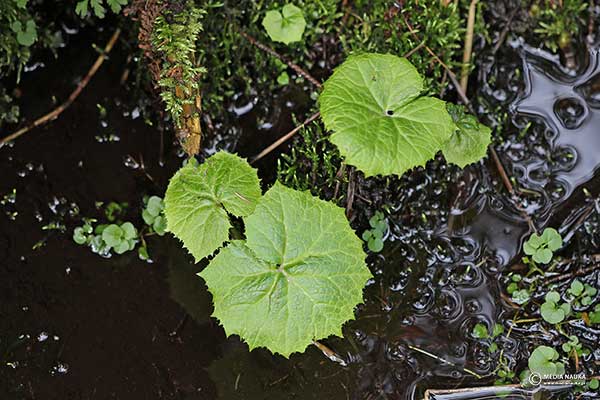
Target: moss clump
174,41
558,23
313,164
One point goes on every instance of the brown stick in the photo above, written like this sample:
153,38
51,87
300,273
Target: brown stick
275,54
468,51
571,275
58,110
502,171
285,137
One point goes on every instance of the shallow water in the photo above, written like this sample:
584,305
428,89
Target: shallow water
77,326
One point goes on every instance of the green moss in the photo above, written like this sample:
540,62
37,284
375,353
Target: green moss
174,40
558,23
313,164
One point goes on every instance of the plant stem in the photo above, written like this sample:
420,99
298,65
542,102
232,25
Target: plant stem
80,86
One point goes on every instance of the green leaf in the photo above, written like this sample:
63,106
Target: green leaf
283,78
155,206
498,330
552,239
551,311
28,36
82,8
286,26
532,244
160,225
520,296
122,247
98,8
380,122
480,331
112,235
129,231
148,218
297,277
576,288
116,5
542,361
469,143
143,253
79,236
594,384
199,197
543,256
553,297
375,244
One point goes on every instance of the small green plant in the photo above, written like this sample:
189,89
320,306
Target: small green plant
574,347
285,26
521,296
583,294
153,215
26,33
542,248
544,361
552,311
98,7
593,384
595,315
480,331
297,275
120,238
374,236
381,122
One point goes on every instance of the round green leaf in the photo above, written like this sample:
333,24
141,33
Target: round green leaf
520,296
112,235
576,287
199,197
552,313
552,239
297,277
129,231
155,205
122,247
375,244
379,122
553,297
542,360
148,218
542,256
286,26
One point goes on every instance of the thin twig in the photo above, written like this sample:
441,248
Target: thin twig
284,60
58,110
571,275
502,171
415,348
350,193
468,50
285,137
